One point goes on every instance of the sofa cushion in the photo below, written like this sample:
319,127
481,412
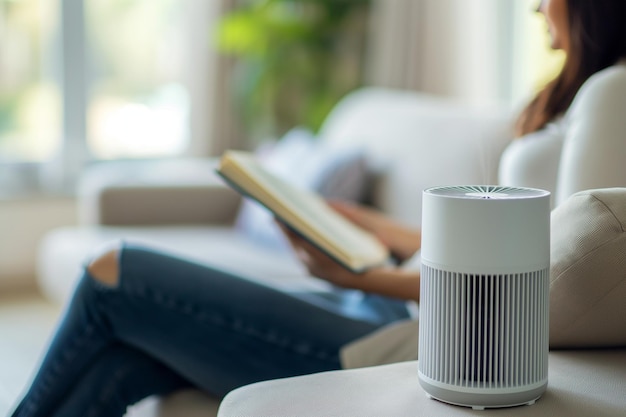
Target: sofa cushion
333,172
588,270
414,141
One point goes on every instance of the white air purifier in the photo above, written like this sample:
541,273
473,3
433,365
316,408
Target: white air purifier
483,336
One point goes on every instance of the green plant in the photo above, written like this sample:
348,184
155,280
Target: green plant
295,59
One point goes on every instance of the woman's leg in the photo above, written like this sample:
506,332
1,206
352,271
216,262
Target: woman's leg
211,328
119,377
85,372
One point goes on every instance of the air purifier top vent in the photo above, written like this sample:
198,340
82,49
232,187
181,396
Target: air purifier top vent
463,228
486,192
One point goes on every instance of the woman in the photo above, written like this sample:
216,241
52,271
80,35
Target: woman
144,323
573,130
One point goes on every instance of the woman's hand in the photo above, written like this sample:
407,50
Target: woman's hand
387,281
318,263
401,241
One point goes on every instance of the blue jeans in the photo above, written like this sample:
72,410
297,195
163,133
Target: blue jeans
170,323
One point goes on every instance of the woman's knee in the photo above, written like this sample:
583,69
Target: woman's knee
105,267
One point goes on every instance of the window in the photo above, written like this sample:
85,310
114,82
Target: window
139,101
30,116
85,80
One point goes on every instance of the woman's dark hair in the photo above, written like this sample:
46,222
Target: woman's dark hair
597,32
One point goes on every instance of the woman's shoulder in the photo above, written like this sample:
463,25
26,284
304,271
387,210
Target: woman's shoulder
604,88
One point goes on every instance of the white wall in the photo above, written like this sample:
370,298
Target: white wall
22,223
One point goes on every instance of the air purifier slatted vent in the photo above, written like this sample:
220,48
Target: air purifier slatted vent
484,331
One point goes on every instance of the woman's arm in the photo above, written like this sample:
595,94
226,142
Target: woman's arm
594,150
401,241
389,281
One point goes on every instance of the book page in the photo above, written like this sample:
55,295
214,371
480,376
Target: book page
303,210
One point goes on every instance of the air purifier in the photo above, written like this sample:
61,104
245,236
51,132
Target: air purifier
483,336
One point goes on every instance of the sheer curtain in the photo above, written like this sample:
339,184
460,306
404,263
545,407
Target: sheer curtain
397,44
212,114
458,48
467,49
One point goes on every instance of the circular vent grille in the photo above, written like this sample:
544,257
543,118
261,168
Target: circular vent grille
487,192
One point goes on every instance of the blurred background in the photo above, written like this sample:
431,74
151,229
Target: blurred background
83,82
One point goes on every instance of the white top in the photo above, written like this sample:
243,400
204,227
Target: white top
585,149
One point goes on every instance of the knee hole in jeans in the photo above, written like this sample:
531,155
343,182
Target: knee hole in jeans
105,268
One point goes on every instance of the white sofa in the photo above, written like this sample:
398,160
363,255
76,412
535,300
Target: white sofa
413,141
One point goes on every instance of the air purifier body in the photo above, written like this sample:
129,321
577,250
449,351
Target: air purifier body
483,337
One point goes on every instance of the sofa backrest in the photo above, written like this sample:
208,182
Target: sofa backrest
414,141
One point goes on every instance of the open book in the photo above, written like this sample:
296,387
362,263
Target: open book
304,212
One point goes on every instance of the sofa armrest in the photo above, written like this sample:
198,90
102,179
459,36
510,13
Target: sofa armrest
581,383
184,191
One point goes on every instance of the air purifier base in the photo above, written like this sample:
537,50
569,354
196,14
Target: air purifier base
482,401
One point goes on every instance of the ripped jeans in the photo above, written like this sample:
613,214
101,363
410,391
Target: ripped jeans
170,323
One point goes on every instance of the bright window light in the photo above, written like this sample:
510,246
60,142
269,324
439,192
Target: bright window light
138,105
30,101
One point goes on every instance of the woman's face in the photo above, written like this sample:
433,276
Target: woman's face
555,12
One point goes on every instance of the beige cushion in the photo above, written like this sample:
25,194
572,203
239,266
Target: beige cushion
588,270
